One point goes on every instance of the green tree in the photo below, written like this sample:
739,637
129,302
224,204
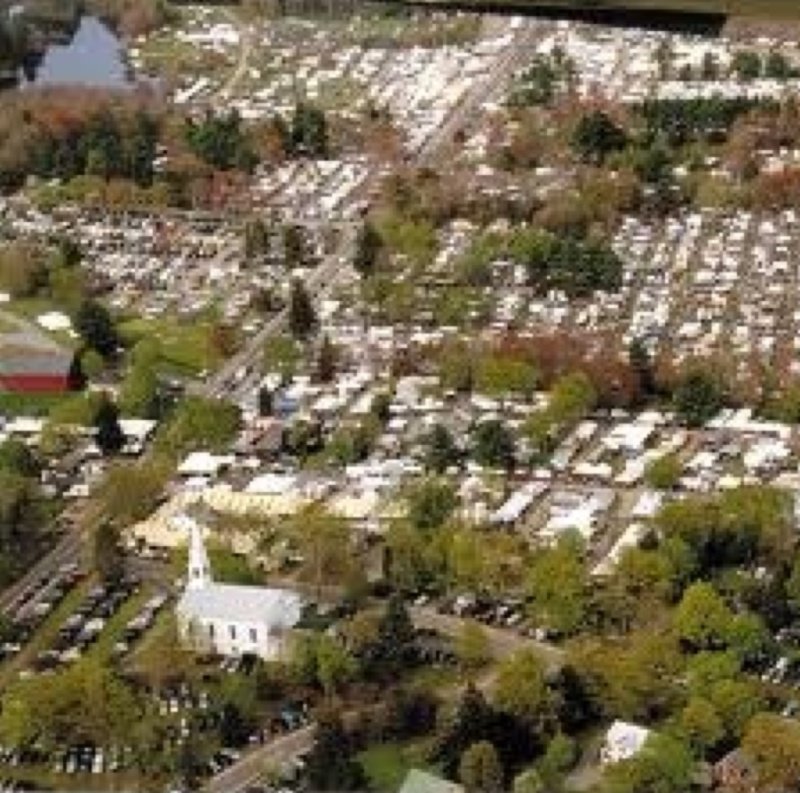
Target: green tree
701,725
294,247
503,376
199,423
221,141
107,554
335,665
441,450
302,316
409,558
395,646
522,691
17,458
749,638
472,646
529,781
664,764
86,703
139,394
557,586
92,364
778,67
492,445
68,252
632,678
163,662
256,239
471,722
109,436
702,619
596,136
773,743
431,503
572,397
309,131
327,360
325,545
736,702
456,367
95,326
641,362
480,770
130,491
236,701
698,397
792,583
747,65
708,668
560,756
369,245
664,473
331,765
22,269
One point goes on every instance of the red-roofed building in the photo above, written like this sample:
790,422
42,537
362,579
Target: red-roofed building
31,369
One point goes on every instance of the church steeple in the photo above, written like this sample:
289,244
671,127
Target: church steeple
199,570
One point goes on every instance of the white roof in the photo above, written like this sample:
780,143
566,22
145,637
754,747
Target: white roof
648,504
630,436
272,484
624,740
203,464
518,502
139,429
54,321
23,425
277,608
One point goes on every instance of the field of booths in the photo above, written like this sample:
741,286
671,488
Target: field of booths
165,274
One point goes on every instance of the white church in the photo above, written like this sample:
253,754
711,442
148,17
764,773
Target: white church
227,619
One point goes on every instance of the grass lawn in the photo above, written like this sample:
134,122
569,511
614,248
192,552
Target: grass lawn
32,307
184,346
387,764
6,326
160,629
112,633
15,404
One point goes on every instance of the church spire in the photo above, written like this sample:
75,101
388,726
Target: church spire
199,571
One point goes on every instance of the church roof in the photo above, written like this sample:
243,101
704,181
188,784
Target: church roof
278,608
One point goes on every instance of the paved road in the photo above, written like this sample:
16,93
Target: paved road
245,51
485,89
322,281
502,642
251,767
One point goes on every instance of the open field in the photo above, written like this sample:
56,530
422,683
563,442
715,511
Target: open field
386,765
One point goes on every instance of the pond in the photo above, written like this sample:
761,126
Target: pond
94,57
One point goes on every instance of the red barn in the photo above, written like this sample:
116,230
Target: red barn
32,369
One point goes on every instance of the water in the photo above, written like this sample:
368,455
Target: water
94,58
